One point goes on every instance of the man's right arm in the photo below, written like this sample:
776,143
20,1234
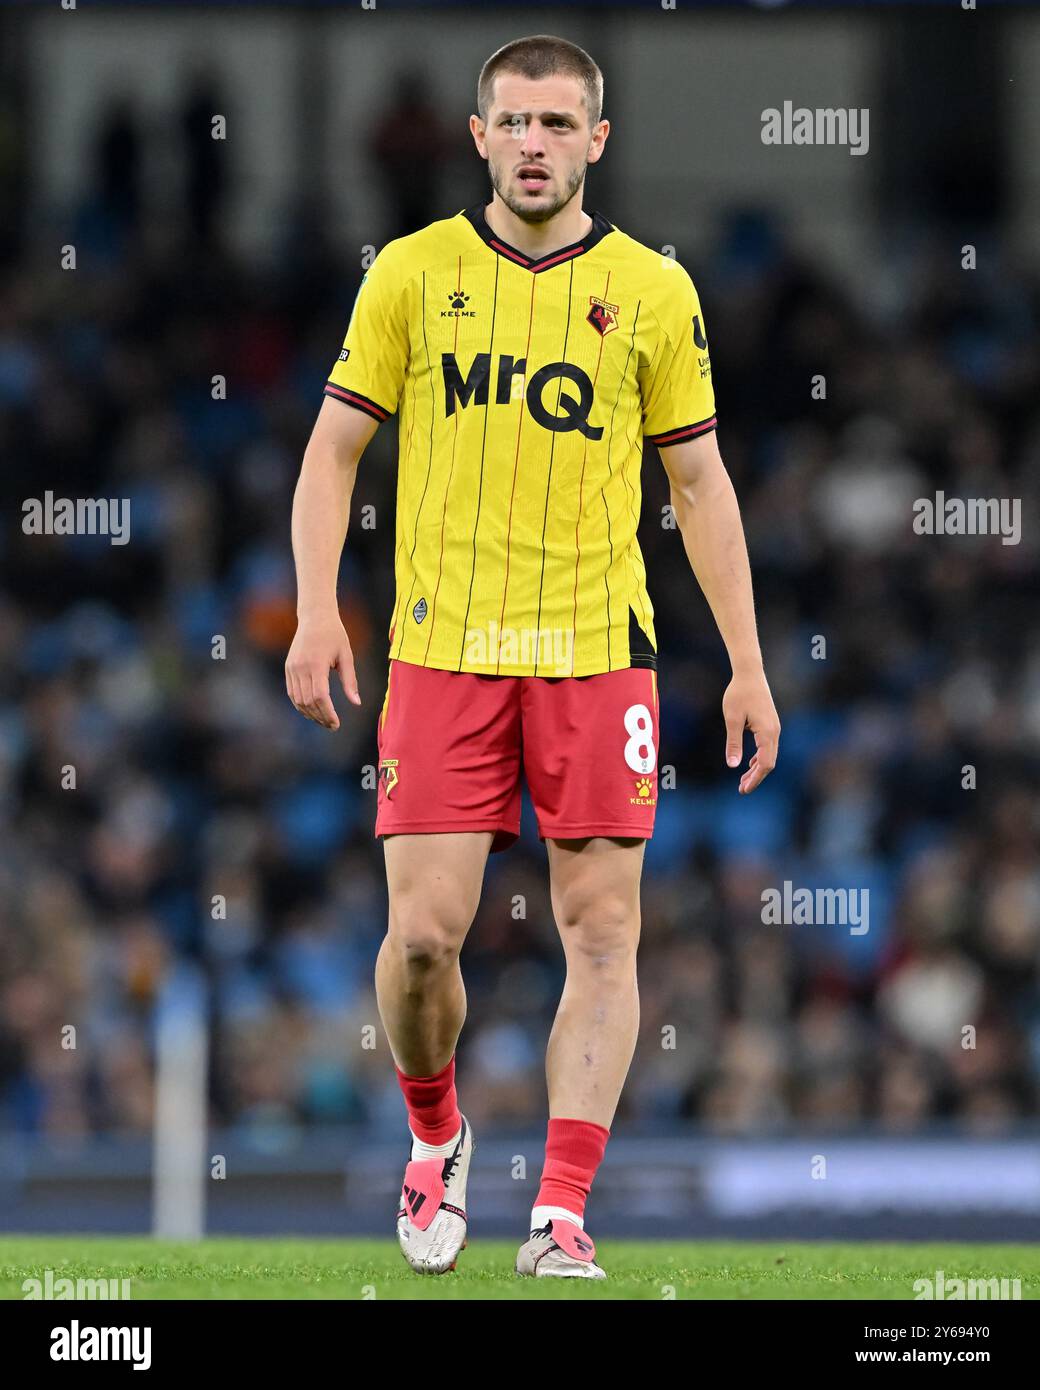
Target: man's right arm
321,511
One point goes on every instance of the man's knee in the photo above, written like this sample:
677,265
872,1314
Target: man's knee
599,927
427,929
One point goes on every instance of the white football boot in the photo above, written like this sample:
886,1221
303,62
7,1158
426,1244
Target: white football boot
560,1249
431,1220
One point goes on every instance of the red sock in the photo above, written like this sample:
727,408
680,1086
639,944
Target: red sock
433,1107
573,1151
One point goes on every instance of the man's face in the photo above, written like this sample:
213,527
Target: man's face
538,143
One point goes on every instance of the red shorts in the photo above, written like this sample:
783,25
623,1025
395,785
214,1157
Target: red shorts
451,745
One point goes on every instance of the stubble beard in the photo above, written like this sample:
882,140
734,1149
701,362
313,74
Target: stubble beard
536,214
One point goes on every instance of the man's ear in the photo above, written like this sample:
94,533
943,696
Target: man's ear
596,150
478,130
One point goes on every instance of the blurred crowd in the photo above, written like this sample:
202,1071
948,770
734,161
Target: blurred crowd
160,800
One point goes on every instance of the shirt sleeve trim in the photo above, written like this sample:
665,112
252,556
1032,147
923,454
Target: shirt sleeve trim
359,402
684,432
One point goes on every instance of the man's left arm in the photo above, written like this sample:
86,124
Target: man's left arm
707,514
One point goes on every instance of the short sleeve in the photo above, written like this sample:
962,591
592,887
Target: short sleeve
678,396
370,371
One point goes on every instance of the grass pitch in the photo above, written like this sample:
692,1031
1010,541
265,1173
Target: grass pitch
219,1268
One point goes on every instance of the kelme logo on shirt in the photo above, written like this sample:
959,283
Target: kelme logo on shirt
420,610
458,301
573,412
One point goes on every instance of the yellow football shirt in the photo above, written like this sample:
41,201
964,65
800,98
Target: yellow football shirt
525,388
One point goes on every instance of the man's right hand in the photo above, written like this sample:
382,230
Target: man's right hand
321,645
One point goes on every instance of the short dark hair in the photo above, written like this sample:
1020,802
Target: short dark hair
542,55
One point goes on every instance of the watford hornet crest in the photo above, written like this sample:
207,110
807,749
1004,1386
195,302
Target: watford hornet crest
388,774
602,316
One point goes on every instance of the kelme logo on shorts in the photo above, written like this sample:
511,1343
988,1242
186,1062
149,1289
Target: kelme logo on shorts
420,610
644,793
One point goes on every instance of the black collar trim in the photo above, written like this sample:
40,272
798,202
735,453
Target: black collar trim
599,229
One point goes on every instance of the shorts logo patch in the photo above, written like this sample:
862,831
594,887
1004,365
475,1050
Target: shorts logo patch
420,610
388,772
644,793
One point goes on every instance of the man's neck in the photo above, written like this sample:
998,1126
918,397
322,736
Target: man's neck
536,239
